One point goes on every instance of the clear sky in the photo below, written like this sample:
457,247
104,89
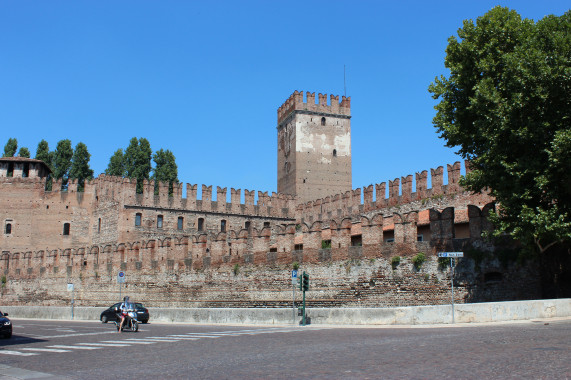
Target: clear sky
204,79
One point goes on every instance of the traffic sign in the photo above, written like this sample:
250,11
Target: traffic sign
294,273
121,277
450,254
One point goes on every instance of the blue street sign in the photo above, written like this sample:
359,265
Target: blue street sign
451,254
294,273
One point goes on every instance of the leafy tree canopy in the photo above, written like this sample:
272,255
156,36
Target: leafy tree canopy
43,153
62,160
165,169
507,106
137,161
116,167
80,169
10,148
24,152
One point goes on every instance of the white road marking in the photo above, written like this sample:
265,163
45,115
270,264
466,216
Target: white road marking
44,349
159,339
17,353
75,347
133,341
105,344
204,335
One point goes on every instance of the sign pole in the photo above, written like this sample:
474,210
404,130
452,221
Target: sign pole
293,278
452,287
451,256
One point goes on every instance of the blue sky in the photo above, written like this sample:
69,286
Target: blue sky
205,79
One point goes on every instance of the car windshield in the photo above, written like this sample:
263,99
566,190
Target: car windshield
139,306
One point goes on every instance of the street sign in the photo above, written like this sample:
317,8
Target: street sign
294,273
69,287
121,277
450,254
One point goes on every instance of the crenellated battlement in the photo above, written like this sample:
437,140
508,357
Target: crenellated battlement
296,103
124,191
399,193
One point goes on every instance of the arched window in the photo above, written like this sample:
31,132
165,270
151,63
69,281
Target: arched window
138,217
322,121
8,229
222,225
159,221
200,224
334,152
66,229
180,223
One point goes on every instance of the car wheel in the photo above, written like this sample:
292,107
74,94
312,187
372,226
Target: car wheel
8,335
104,319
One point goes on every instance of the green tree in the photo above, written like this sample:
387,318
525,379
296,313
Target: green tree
43,153
507,106
24,152
10,148
116,166
165,169
80,169
62,161
137,161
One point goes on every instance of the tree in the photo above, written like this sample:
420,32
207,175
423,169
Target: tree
507,105
80,169
10,148
43,153
116,166
165,169
62,161
24,152
137,161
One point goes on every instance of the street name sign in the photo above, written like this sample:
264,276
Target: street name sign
450,254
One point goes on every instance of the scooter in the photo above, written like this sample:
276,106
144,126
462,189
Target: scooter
131,323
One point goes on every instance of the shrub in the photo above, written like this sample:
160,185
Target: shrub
295,265
418,260
443,263
236,269
395,261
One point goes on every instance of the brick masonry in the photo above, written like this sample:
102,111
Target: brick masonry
237,251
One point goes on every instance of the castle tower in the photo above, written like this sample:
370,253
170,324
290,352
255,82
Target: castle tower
314,146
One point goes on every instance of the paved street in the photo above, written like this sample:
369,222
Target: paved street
91,350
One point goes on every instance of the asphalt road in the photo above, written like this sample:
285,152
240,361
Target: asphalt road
91,350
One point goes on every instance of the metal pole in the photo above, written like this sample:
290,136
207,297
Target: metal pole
303,322
72,301
452,286
293,290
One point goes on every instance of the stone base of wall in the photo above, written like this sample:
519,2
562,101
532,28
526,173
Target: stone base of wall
413,315
367,282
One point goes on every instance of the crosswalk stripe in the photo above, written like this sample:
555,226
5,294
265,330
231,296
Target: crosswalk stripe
75,347
130,341
104,344
160,339
44,349
204,335
17,353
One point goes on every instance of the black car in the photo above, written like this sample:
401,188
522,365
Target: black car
110,314
5,326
